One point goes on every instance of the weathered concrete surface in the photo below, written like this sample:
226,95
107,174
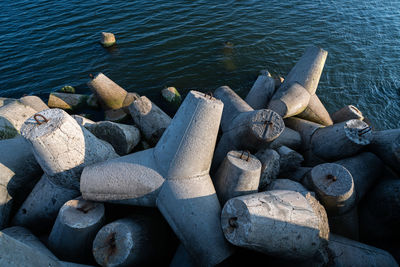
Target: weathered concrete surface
4,101
40,209
270,166
287,184
340,140
19,172
346,113
365,168
316,112
262,91
386,145
150,119
12,117
346,252
289,160
305,128
171,95
75,228
107,39
122,137
299,174
334,186
63,148
239,174
133,241
280,222
289,138
67,101
82,121
34,102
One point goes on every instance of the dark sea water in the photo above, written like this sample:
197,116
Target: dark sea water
48,44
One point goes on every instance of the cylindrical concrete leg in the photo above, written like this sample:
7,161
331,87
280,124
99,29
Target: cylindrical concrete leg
62,147
122,137
82,121
334,186
12,117
386,145
316,112
286,184
41,207
67,101
150,119
305,128
239,174
341,140
270,167
134,241
4,101
6,204
182,258
346,113
289,138
380,212
345,224
261,92
280,223
34,102
299,174
365,168
76,225
290,102
346,252
308,69
289,160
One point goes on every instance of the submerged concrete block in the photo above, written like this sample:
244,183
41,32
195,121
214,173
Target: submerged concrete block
12,117
262,91
107,39
316,112
150,119
340,140
75,228
122,137
386,145
40,208
62,147
178,168
346,113
281,223
239,174
270,166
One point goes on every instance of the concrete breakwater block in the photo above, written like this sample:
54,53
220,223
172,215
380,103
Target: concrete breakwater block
182,258
4,101
305,128
287,184
299,174
40,208
345,224
243,127
239,174
62,147
122,137
112,98
34,102
107,39
171,95
75,228
270,166
280,223
386,145
137,240
262,91
19,172
67,101
316,112
341,140
346,113
150,119
289,138
177,172
289,160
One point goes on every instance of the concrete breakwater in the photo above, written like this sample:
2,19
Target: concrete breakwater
226,181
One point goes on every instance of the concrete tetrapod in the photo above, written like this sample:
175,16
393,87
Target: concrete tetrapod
137,240
182,157
62,147
243,127
150,119
316,112
4,101
305,128
346,113
280,223
386,145
76,226
345,224
270,167
238,174
289,160
19,172
286,184
289,138
34,102
262,91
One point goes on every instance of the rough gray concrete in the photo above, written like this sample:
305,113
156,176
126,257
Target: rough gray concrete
67,101
40,209
262,91
34,102
280,223
346,113
289,138
305,128
4,101
386,145
12,117
239,174
316,112
341,140
63,148
287,184
82,121
289,160
270,167
299,174
150,119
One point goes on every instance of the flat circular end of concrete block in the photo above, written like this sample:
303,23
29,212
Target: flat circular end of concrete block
113,244
266,125
235,221
358,132
335,186
45,123
115,115
278,106
244,160
80,213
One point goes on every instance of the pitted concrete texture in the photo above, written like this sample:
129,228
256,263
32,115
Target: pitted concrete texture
12,117
286,184
346,113
305,128
279,222
34,102
261,92
289,160
270,166
386,145
289,138
63,148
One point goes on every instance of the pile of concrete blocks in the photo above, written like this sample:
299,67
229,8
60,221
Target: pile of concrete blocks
271,179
